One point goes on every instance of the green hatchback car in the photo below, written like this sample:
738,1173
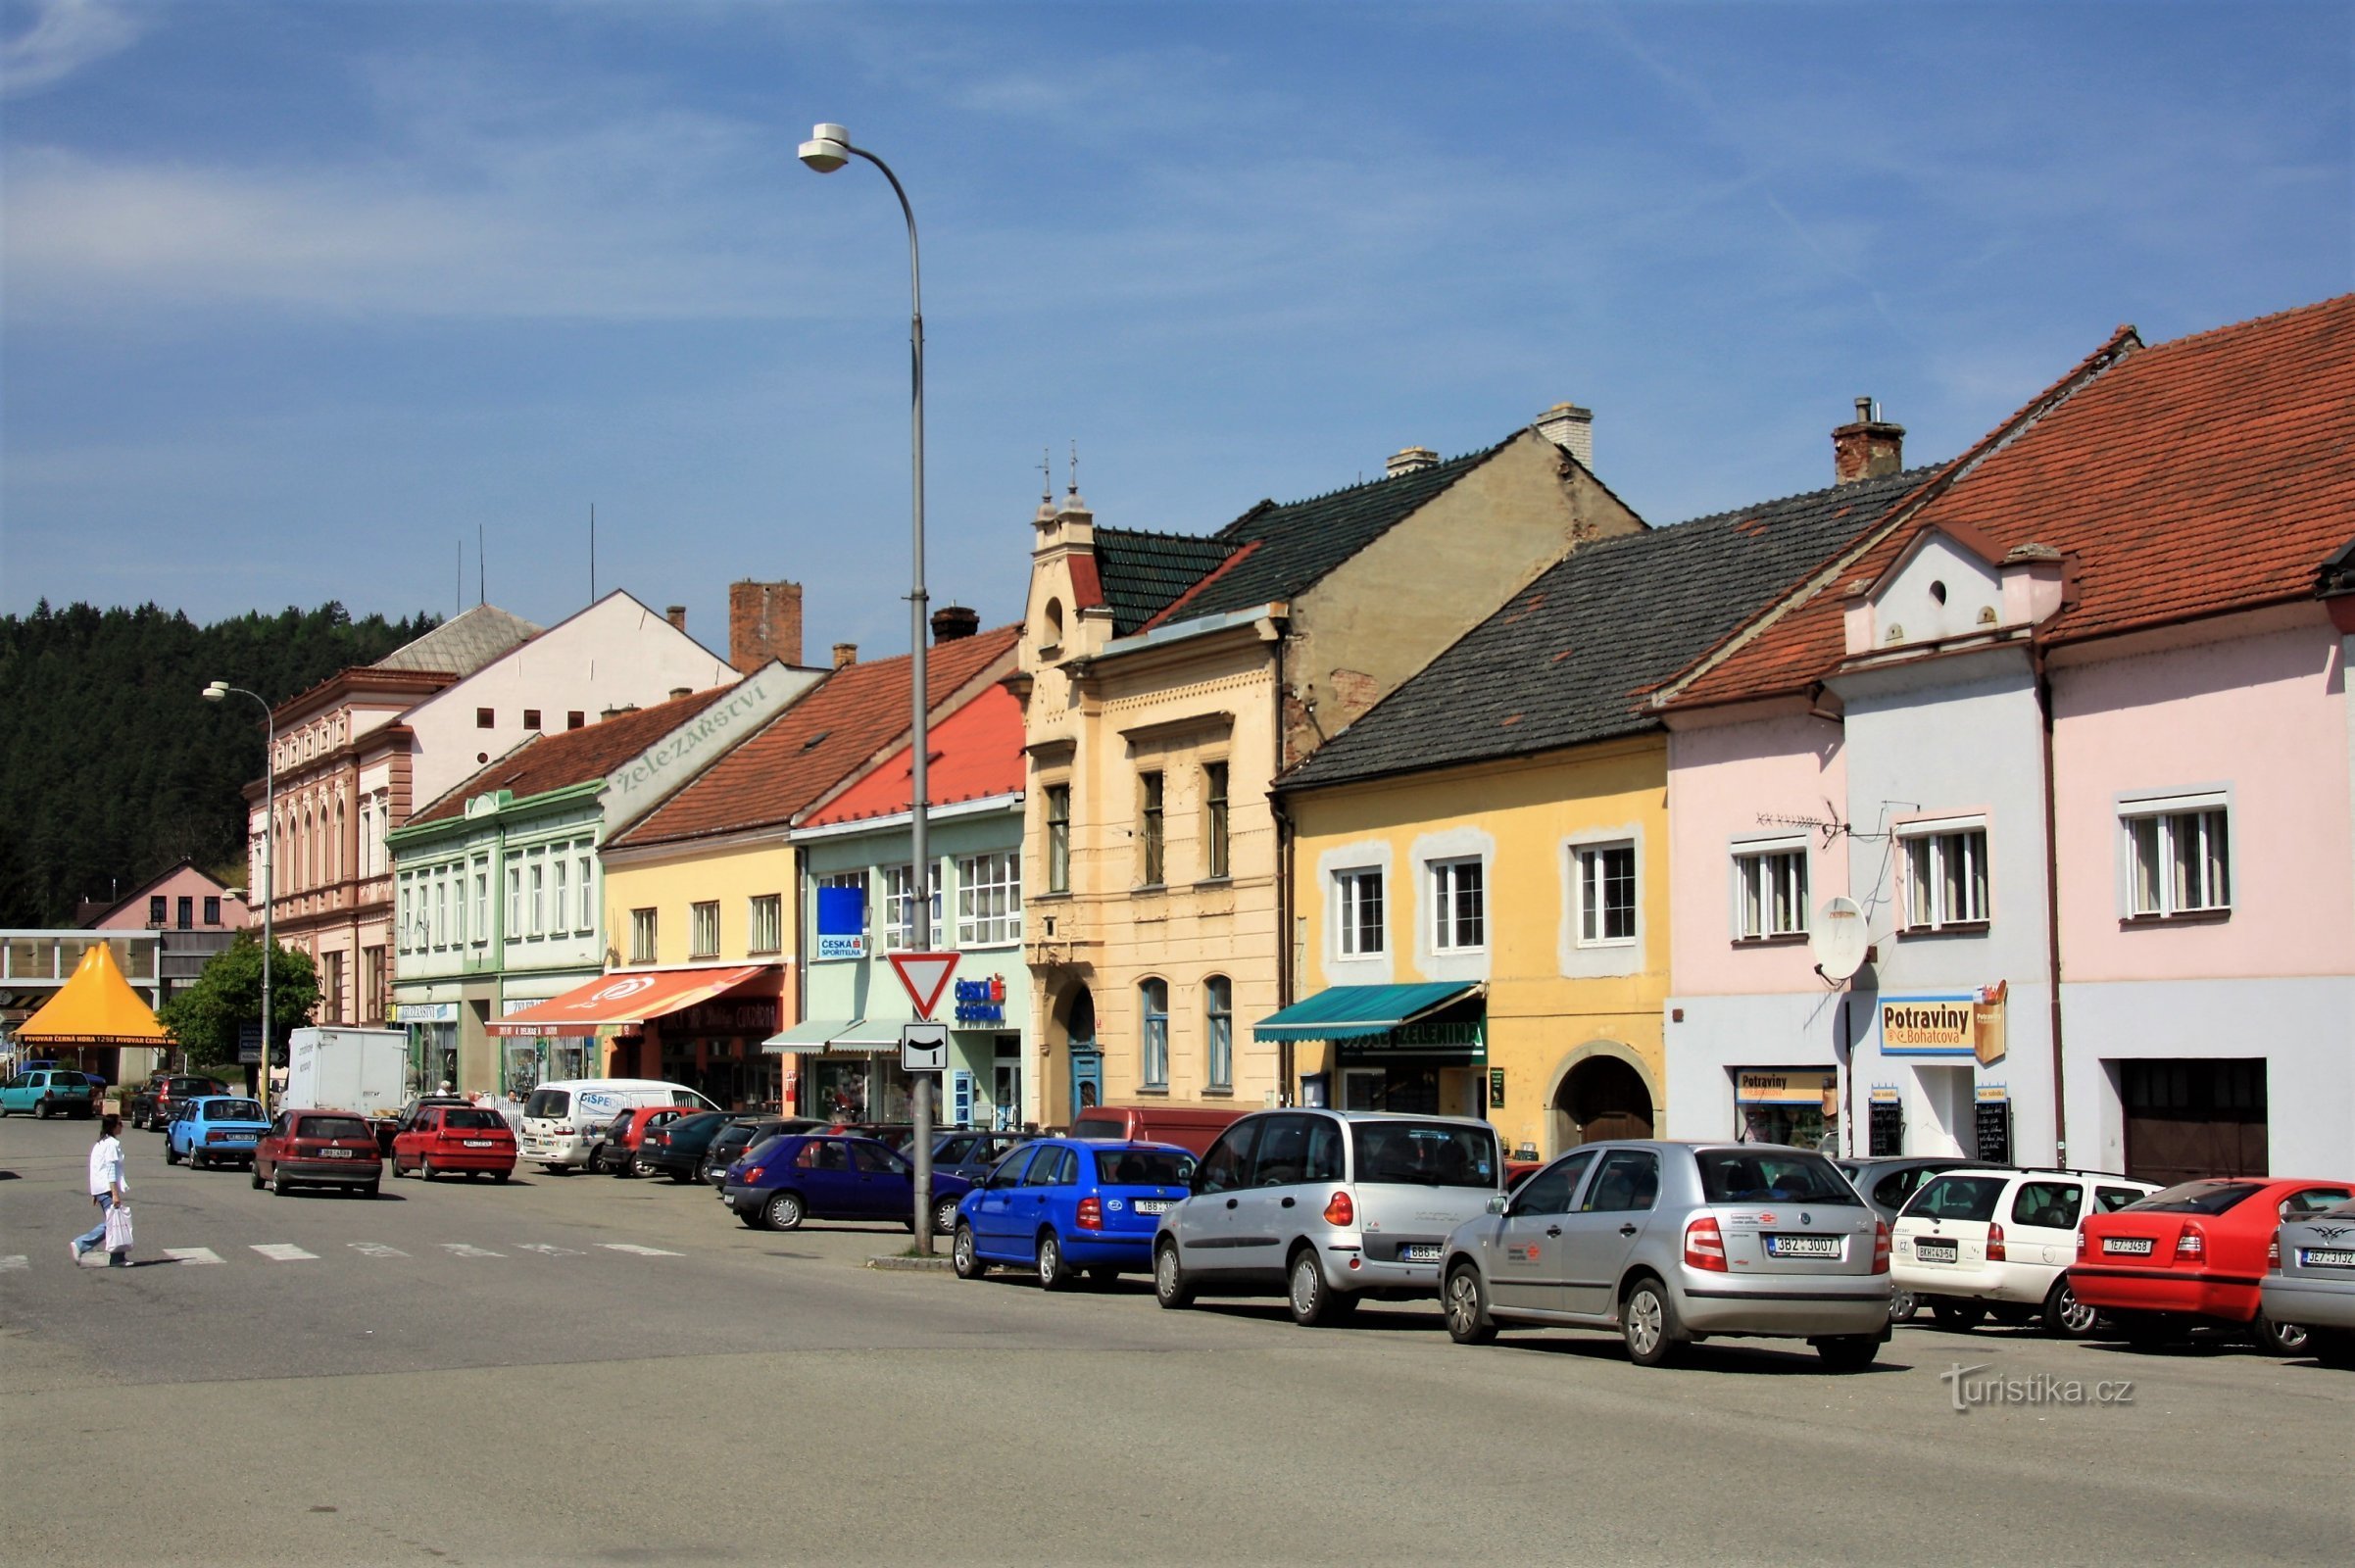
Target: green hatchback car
49,1091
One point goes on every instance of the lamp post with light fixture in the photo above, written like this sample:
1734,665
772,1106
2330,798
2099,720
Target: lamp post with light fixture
214,693
827,150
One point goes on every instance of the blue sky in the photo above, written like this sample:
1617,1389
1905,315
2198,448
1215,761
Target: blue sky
294,298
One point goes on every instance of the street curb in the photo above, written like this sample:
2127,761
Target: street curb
913,1265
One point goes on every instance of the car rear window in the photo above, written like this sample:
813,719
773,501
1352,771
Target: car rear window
333,1127
1971,1198
2196,1198
66,1079
1143,1167
545,1102
233,1110
1755,1176
1099,1127
463,1117
2301,1205
1424,1153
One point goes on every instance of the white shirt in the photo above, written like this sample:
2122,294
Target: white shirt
106,1167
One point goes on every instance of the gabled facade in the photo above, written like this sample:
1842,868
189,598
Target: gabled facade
1167,679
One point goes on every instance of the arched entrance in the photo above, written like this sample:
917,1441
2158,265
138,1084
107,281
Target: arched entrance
1602,1097
1075,1021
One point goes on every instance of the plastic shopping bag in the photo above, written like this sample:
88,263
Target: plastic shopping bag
119,1228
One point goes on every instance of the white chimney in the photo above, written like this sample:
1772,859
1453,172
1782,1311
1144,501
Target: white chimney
1570,427
1409,460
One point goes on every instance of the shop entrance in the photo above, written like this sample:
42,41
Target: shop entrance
2192,1118
1601,1098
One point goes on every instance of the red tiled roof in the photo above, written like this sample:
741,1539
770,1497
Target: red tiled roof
2210,474
813,745
977,752
574,756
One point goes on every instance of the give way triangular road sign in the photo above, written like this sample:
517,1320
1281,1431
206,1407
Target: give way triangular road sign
925,975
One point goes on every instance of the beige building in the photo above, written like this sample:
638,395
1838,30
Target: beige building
1167,679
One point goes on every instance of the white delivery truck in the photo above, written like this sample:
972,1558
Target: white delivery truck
359,1070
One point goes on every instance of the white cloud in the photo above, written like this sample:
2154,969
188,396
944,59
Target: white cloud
64,36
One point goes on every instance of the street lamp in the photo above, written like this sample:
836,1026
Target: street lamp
827,150
214,693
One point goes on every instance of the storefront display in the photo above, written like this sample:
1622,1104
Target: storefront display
1795,1105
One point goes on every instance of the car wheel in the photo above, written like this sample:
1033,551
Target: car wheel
1848,1352
1053,1276
41,1112
1902,1305
944,1216
1648,1322
2281,1339
1467,1306
197,1160
254,1175
425,1168
1313,1300
2064,1316
1959,1316
642,1167
277,1182
171,1155
782,1211
964,1256
1169,1287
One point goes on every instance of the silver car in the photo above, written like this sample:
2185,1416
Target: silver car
2313,1282
1325,1208
1674,1242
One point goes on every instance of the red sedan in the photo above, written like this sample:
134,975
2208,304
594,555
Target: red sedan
455,1137
2193,1255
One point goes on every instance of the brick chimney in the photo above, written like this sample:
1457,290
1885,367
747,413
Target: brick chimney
845,655
1869,449
1409,460
764,623
677,614
954,623
1570,427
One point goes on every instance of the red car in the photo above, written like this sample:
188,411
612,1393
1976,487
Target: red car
2193,1255
318,1148
444,1139
617,1152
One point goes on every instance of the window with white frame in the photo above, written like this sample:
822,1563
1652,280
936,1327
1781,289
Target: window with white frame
765,923
2178,857
899,910
702,929
1770,891
1458,906
1218,1026
401,915
482,902
558,901
642,936
1357,912
1606,895
441,912
1946,874
539,899
515,903
1153,1035
989,900
585,919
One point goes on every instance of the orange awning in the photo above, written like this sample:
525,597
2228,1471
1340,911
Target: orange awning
623,999
97,1006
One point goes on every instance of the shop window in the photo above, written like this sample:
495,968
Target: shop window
1945,875
1059,838
1459,907
1150,868
2178,857
642,936
1152,1034
1218,1031
1214,821
702,930
1357,907
1770,892
765,923
989,900
1606,895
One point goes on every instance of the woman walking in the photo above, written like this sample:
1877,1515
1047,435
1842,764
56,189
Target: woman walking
110,1189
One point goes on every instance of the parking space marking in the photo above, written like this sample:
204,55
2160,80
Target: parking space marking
376,1249
194,1255
548,1249
12,1262
625,1247
284,1252
467,1249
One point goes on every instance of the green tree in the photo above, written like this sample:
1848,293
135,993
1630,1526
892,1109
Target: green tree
205,1018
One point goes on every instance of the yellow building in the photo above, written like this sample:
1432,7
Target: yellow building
1167,679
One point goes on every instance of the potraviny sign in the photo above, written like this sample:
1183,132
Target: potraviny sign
1957,1025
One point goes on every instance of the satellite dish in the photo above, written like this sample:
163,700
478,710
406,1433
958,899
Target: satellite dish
1839,941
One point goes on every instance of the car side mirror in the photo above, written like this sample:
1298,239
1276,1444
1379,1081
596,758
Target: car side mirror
1498,1202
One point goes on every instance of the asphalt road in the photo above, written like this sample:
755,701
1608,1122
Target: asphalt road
588,1370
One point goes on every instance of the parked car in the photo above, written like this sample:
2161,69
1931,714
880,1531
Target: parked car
151,1107
1064,1206
1325,1208
443,1139
1669,1244
318,1148
1975,1241
564,1118
46,1091
211,1128
1886,1182
974,1154
746,1132
1189,1127
2195,1255
677,1148
823,1176
2312,1282
389,1129
897,1133
617,1150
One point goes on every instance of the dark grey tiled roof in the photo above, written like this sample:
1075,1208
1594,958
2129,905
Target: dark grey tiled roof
1144,571
1565,660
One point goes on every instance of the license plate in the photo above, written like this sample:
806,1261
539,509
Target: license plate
1419,1253
1156,1205
1804,1245
2126,1245
475,1143
238,1137
2326,1257
335,1154
1936,1252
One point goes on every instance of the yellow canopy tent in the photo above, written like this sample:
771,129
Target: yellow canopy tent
96,1006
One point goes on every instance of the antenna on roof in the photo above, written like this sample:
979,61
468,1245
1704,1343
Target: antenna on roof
1075,466
592,551
481,572
460,600
1046,474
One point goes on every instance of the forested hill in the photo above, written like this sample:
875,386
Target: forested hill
112,767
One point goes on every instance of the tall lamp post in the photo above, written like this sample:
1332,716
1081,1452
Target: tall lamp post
214,693
827,150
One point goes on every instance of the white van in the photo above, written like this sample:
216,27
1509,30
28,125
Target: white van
565,1116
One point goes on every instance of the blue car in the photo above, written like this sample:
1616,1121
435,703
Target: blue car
1067,1205
833,1176
212,1129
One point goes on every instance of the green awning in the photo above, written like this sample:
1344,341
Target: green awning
1354,1012
819,1035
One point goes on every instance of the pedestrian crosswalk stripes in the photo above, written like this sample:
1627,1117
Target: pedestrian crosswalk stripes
375,1249
631,1246
13,1262
192,1255
284,1252
289,1253
548,1249
468,1249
